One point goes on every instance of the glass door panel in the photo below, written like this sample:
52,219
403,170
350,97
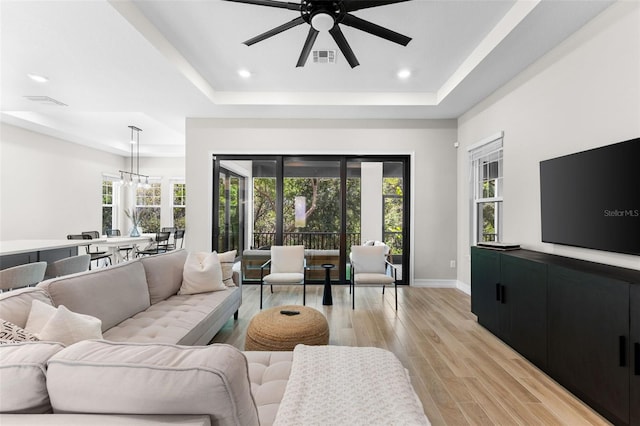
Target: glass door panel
376,207
393,212
265,204
311,213
231,210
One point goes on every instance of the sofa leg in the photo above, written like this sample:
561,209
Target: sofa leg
235,315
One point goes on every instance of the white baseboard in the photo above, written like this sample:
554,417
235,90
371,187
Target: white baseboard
463,287
424,283
434,283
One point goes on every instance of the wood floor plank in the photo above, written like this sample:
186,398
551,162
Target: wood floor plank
461,372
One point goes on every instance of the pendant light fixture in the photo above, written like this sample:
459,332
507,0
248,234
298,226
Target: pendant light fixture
132,177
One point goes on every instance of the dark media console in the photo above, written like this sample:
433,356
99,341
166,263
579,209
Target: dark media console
576,320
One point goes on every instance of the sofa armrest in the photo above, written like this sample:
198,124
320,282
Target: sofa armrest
128,378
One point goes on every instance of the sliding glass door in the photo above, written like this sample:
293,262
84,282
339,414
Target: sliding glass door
326,203
231,200
311,211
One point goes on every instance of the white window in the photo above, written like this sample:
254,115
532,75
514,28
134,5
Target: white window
148,206
179,204
486,190
109,203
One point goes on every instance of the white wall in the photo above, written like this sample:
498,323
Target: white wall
50,187
429,142
583,94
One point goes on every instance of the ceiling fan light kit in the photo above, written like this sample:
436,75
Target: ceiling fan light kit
327,15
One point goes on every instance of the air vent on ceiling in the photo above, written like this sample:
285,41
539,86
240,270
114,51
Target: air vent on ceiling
45,100
324,56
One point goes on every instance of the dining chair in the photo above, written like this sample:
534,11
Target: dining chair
68,265
95,255
160,245
178,235
369,266
126,249
22,275
287,265
171,230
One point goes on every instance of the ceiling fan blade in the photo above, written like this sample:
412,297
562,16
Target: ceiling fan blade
342,43
352,5
308,45
277,30
270,3
376,30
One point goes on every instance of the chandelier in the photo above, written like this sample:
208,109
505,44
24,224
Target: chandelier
132,177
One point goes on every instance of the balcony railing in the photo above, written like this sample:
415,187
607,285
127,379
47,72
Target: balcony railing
310,240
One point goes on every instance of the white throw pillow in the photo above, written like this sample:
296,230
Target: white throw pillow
226,263
38,317
202,273
61,325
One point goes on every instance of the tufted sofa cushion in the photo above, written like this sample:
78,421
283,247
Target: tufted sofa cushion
15,305
96,376
164,274
268,373
177,320
110,294
23,386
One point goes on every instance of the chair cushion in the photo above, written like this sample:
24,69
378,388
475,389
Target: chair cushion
287,259
283,277
369,259
23,387
131,378
365,278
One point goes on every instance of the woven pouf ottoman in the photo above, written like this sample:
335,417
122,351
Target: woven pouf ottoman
271,330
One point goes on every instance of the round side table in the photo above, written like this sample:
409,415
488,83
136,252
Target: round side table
327,298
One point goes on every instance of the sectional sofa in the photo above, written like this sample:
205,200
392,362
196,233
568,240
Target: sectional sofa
150,367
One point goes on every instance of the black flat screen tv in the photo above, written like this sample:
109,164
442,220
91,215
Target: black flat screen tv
591,199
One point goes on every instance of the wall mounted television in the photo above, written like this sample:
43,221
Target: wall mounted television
591,199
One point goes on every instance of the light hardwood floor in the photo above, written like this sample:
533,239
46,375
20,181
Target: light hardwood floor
461,372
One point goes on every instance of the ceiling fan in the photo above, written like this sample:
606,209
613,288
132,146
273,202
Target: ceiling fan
326,15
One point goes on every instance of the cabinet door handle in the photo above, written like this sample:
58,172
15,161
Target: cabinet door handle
622,345
502,292
636,367
498,293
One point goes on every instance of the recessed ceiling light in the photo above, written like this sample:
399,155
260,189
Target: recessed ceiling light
37,77
404,74
244,73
